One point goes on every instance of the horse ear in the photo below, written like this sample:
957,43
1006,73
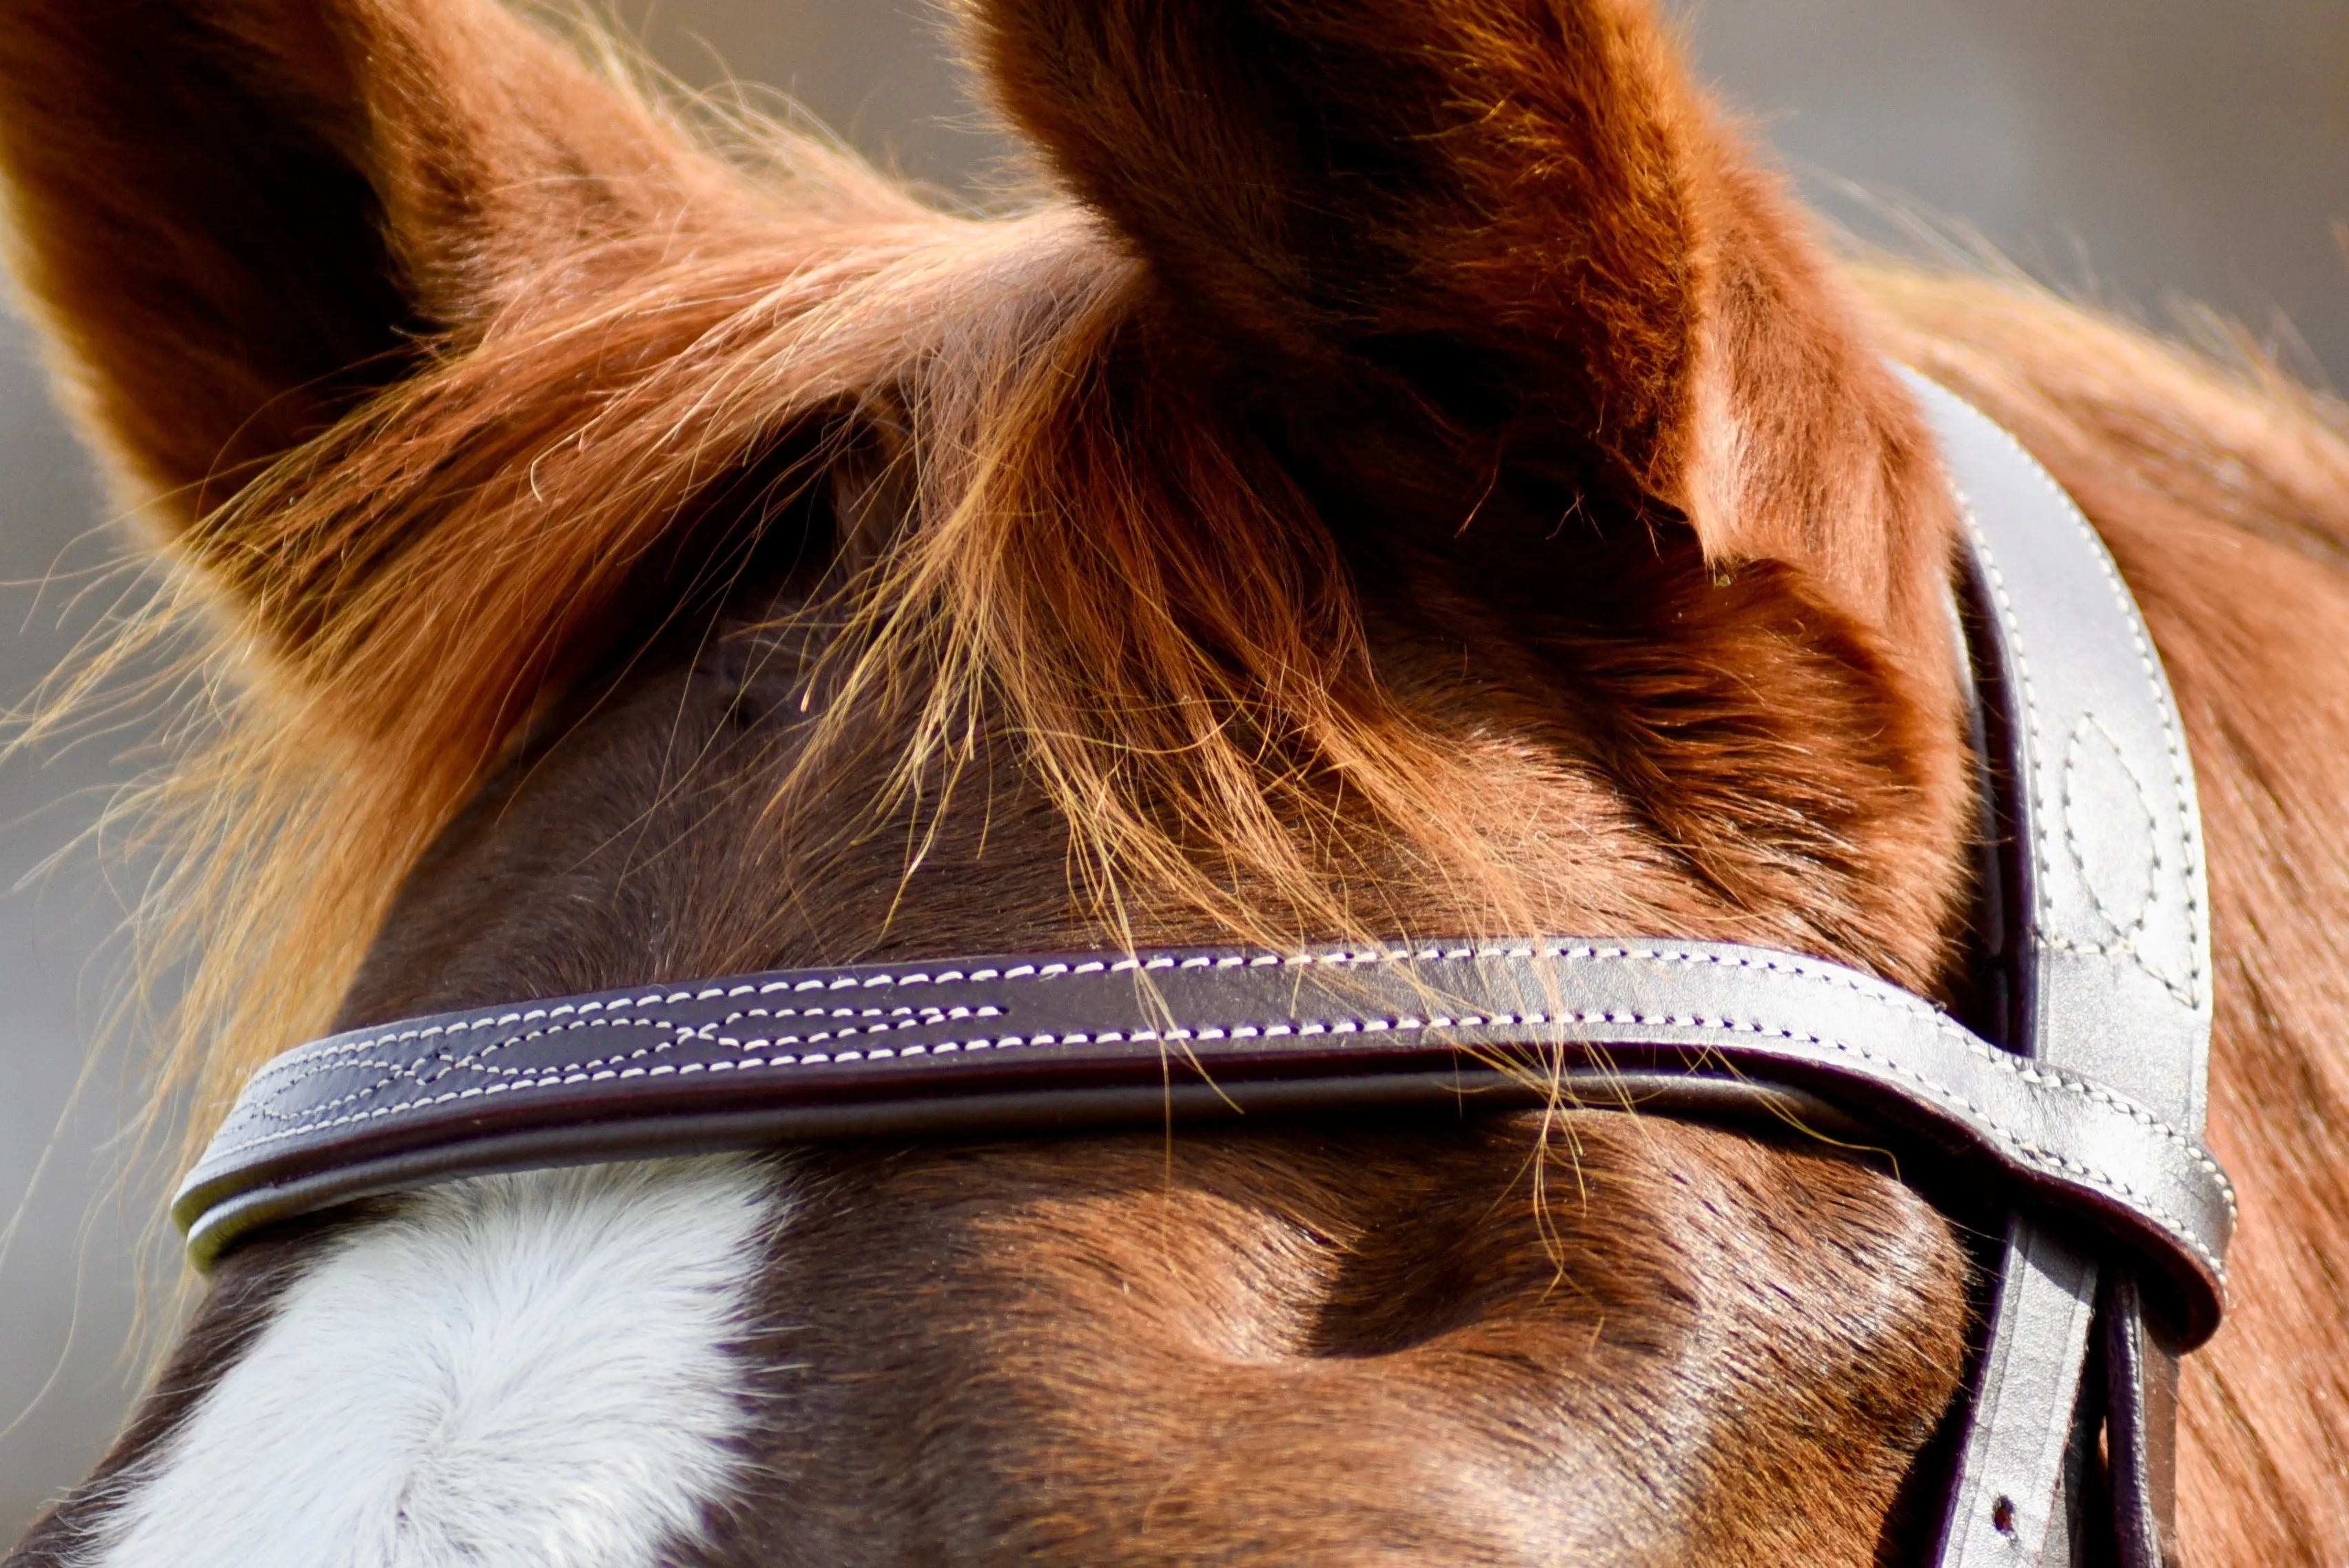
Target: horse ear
239,217
1517,224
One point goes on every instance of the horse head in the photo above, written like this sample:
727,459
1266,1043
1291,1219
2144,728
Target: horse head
1408,471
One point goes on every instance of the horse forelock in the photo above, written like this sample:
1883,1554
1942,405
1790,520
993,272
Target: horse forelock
420,580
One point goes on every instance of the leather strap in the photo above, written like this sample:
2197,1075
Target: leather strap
2109,975
2141,1430
1013,1044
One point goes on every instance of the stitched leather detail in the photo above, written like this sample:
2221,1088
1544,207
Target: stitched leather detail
300,1066
2091,750
2180,872
2111,970
1057,969
611,1068
765,1047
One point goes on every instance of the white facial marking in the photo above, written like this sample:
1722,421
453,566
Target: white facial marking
514,1372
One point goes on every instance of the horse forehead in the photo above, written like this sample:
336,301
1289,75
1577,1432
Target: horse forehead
512,1371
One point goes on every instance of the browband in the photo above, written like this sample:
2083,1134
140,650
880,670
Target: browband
1018,1045
2078,1080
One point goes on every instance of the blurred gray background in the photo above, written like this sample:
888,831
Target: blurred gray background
2149,150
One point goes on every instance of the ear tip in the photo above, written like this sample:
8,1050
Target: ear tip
236,216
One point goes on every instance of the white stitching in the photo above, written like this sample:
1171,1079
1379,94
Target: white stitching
477,1061
2125,927
1827,976
2180,768
2032,1154
1858,985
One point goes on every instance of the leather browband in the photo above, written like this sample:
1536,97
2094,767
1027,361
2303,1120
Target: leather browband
1012,1045
2080,1086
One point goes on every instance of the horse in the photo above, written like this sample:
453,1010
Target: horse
1410,470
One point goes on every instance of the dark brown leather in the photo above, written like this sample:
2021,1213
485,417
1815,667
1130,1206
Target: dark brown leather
1006,1045
2141,1430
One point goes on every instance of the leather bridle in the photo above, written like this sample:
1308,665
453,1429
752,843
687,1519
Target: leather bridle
2075,1087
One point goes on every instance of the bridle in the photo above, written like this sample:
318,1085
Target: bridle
2075,1087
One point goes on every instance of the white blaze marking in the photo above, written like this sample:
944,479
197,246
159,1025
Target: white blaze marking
514,1372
